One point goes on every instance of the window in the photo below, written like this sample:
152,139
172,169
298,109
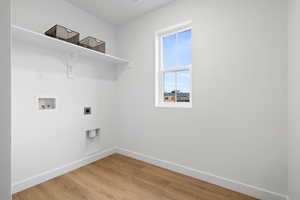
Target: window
174,66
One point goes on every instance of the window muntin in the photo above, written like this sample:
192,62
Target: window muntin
174,70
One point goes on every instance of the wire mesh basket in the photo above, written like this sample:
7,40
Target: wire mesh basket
63,33
93,43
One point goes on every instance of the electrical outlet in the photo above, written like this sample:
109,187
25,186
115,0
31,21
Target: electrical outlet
87,111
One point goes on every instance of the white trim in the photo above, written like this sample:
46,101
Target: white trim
45,176
159,102
175,105
175,28
157,80
177,69
247,189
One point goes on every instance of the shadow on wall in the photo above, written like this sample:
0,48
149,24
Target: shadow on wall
44,61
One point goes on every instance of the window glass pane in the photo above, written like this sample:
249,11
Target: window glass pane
169,86
169,51
184,45
183,86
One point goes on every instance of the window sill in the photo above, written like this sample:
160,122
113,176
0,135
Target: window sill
174,105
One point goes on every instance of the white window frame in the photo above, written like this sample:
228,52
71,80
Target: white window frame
159,71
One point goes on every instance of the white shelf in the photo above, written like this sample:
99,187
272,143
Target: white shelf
38,39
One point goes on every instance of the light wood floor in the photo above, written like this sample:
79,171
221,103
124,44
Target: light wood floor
121,178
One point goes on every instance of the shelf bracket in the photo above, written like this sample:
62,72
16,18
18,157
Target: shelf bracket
70,59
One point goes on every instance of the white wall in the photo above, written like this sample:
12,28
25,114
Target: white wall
46,140
294,99
237,127
5,74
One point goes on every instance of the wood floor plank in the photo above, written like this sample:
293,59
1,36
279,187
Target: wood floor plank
118,177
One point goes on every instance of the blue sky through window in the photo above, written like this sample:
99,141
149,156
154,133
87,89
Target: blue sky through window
170,79
184,48
183,81
170,48
177,52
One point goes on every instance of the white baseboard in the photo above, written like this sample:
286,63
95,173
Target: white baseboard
45,176
250,190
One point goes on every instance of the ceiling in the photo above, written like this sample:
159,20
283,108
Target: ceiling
118,11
